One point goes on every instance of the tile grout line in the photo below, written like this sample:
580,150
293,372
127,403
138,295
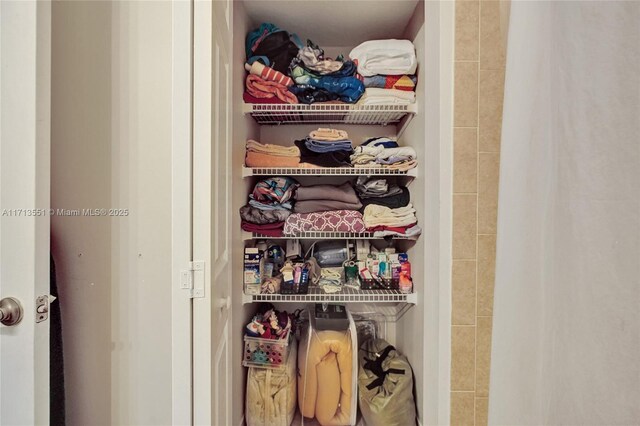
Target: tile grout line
475,343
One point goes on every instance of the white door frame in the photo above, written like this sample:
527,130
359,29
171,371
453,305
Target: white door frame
25,146
181,211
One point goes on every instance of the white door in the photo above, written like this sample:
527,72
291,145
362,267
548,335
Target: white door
25,69
211,201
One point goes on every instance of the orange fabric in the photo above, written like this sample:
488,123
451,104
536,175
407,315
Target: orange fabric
256,159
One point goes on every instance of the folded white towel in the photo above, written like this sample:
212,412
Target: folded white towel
386,57
376,96
375,215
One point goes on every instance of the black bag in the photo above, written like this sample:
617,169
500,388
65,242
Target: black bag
280,50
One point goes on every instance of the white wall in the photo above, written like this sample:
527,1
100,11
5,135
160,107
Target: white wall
111,136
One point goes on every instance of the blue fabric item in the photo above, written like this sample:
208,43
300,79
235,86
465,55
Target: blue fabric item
309,94
262,31
348,70
263,59
273,206
349,89
393,159
381,141
325,146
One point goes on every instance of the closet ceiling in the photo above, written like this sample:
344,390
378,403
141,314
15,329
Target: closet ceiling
335,22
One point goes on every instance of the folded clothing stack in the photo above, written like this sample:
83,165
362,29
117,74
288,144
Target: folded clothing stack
384,152
270,50
384,221
269,206
268,155
388,69
326,148
321,198
381,192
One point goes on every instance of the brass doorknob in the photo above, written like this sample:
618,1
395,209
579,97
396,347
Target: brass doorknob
10,311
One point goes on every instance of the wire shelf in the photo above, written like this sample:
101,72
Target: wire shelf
326,171
322,235
329,113
347,295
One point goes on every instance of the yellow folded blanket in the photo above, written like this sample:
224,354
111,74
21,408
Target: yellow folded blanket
271,393
325,134
257,159
325,364
284,151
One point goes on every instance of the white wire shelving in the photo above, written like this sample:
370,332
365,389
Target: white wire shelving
324,113
326,171
347,295
323,235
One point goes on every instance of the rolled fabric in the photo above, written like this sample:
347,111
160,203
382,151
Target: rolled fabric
386,57
268,74
261,88
312,206
344,193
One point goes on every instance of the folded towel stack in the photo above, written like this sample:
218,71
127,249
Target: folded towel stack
268,155
328,140
331,221
381,192
269,206
321,198
388,68
387,221
384,152
326,148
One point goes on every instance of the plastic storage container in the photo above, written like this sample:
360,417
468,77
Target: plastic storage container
266,353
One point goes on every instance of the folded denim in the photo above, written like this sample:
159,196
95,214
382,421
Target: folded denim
324,146
326,159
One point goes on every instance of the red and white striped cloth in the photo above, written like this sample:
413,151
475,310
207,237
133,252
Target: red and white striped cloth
269,74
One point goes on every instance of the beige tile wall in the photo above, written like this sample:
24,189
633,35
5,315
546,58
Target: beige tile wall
479,87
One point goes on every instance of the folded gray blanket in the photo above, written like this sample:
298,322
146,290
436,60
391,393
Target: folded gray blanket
312,206
344,193
262,217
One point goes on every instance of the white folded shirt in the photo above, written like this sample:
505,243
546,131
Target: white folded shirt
385,57
376,96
